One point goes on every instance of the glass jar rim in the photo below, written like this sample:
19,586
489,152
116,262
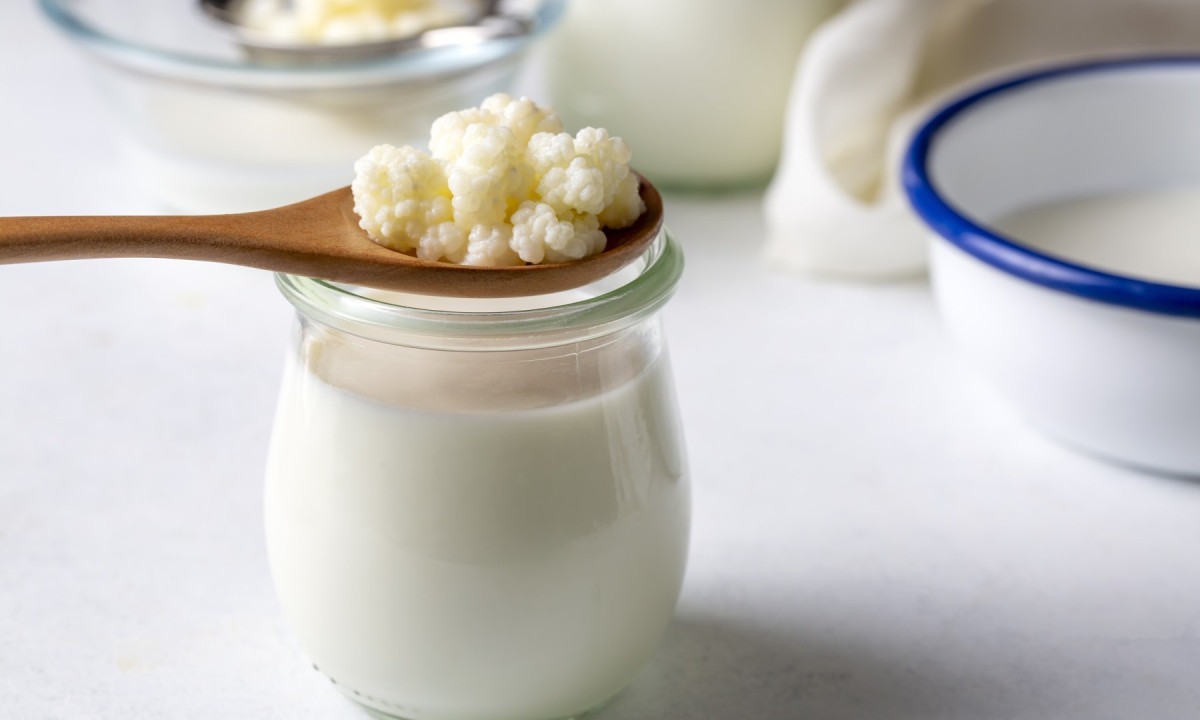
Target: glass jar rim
415,66
339,306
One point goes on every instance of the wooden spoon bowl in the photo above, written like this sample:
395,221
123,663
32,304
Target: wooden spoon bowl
319,237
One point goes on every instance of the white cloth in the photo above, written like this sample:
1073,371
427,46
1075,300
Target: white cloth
869,75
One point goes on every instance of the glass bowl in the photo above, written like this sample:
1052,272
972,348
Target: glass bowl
208,130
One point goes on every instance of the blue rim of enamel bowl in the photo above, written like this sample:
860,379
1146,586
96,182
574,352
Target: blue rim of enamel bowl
1005,253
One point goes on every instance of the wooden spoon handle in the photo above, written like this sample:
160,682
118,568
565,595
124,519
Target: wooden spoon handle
319,237
313,238
221,238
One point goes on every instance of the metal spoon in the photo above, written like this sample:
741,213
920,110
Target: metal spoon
319,237
489,24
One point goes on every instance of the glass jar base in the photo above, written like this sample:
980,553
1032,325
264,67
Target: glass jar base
383,710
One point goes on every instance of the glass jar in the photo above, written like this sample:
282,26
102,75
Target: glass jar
699,88
479,509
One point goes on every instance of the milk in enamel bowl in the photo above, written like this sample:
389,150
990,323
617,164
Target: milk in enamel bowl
1151,234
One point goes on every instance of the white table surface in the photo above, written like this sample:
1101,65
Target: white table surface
876,536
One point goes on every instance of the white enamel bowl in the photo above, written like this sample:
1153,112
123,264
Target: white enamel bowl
1104,362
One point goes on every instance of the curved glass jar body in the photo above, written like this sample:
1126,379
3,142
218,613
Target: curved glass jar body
480,514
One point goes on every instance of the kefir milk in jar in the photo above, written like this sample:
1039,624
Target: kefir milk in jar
478,509
699,87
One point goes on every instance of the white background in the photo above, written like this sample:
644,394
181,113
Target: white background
876,536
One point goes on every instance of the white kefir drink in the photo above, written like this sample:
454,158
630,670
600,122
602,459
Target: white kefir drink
1154,235
444,563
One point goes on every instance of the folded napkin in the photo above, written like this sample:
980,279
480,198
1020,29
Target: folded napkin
870,74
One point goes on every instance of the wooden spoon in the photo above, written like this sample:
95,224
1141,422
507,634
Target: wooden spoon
317,238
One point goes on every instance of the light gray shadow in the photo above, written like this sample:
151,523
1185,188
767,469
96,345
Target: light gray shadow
712,668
